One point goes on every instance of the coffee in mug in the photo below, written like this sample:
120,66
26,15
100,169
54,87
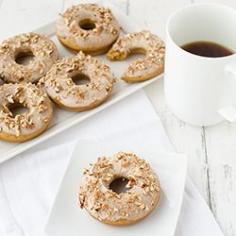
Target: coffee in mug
207,49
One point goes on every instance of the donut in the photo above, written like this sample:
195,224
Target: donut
145,43
40,47
25,126
61,88
87,27
142,190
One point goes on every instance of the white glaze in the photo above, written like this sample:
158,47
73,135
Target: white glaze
61,88
44,51
108,206
37,102
105,32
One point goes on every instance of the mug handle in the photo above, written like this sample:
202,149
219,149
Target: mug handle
229,112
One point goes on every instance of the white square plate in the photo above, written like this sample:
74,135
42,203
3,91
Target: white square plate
66,218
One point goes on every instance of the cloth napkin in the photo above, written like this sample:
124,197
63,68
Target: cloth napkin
29,182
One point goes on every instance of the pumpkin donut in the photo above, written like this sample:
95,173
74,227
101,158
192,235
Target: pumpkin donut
97,193
27,125
67,94
87,27
42,48
142,42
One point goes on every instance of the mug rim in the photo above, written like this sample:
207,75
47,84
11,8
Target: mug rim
172,15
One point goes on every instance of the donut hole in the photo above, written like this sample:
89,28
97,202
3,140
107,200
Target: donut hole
80,79
18,109
24,57
119,185
87,24
1,81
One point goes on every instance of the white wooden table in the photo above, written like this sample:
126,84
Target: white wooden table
211,150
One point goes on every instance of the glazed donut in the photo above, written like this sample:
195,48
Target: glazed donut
87,27
119,208
42,48
27,125
67,94
142,42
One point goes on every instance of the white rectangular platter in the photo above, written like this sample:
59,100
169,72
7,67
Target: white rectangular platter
63,119
66,218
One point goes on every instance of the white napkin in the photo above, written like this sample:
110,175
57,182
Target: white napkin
28,183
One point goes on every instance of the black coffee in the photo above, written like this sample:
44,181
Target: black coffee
207,49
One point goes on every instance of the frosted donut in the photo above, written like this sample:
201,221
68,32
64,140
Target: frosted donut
27,125
142,42
66,93
119,208
87,27
42,48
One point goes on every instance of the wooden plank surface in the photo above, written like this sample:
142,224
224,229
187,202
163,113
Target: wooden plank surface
211,150
25,15
221,156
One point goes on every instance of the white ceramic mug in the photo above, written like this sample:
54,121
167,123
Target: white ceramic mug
201,90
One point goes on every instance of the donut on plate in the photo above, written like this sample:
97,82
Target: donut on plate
25,126
145,43
64,91
87,27
42,49
141,195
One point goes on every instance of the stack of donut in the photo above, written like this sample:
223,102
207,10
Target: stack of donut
88,29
